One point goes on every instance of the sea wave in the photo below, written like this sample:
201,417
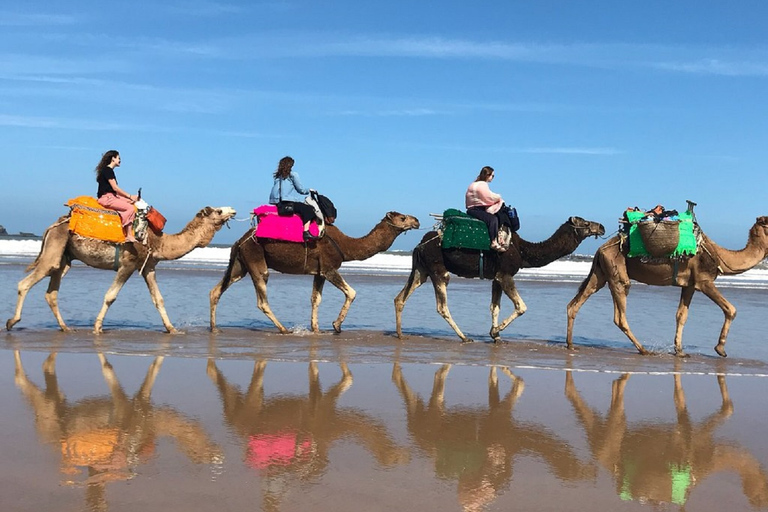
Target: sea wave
573,268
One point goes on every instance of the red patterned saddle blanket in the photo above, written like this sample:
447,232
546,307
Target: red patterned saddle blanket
274,226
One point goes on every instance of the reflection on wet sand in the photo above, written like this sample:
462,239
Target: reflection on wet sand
108,437
287,438
657,463
476,446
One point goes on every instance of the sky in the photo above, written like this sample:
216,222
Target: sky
583,108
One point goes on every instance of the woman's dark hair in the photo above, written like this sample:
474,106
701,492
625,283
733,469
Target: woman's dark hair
485,172
284,167
106,159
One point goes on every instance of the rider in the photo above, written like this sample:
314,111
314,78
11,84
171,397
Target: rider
113,197
483,204
287,187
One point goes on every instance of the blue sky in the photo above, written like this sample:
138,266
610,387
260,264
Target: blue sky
583,108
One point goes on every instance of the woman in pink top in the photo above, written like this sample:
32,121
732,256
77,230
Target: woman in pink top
483,204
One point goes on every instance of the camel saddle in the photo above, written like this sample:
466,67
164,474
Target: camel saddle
277,227
641,245
460,231
89,219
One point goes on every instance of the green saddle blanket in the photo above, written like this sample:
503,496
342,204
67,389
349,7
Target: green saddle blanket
685,247
460,231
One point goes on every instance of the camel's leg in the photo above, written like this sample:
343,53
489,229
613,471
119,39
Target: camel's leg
710,290
236,274
592,284
317,297
145,391
440,284
157,299
417,277
260,284
37,274
118,395
52,295
619,292
686,294
123,273
507,285
495,304
349,295
437,398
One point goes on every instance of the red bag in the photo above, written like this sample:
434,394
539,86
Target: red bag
155,220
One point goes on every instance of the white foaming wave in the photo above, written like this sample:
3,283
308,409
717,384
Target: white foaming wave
395,264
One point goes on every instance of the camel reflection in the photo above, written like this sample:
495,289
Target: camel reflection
108,437
476,446
656,463
288,437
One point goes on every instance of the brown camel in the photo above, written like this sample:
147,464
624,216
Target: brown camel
310,424
431,260
611,265
661,462
321,258
477,446
60,247
109,435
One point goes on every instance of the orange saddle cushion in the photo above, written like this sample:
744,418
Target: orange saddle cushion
91,220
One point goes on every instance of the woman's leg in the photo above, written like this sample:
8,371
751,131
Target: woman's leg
125,208
306,212
491,220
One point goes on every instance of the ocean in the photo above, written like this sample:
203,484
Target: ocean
185,284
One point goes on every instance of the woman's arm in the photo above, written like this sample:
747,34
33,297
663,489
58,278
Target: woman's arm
297,184
121,192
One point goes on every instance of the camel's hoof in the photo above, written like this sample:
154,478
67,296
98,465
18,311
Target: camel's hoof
467,340
681,354
720,349
175,332
337,328
9,324
215,330
98,331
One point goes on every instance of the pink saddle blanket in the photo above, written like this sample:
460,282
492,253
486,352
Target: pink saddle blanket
272,225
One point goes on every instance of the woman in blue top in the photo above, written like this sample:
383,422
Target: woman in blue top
287,187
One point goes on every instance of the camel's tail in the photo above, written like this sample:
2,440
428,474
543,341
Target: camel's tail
58,223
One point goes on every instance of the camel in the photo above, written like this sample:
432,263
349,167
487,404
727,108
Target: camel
309,424
491,437
60,247
321,258
109,435
611,265
661,462
431,260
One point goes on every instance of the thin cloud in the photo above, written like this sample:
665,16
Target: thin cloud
415,112
13,19
716,67
568,151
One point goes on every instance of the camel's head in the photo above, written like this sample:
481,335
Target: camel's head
586,228
760,232
219,216
401,221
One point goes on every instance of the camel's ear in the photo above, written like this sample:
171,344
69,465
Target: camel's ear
390,214
763,221
577,221
205,212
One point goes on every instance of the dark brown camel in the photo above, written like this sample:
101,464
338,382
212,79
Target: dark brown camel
661,462
60,247
431,260
489,435
110,435
313,423
321,258
611,265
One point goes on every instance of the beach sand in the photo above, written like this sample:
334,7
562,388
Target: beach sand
251,420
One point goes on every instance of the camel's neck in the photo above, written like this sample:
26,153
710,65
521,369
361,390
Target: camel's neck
381,238
173,247
562,243
737,262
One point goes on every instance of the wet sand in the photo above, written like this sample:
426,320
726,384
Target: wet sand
252,420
